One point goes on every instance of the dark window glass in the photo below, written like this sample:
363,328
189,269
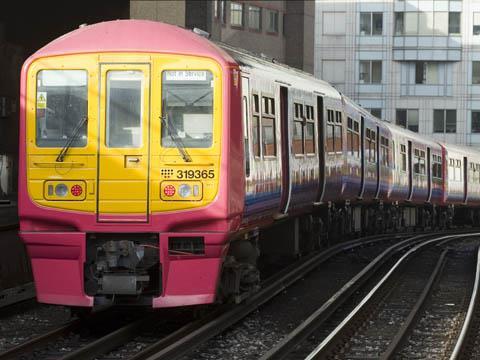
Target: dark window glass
438,121
376,112
254,17
377,23
272,16
365,23
475,72
451,121
454,23
376,72
419,72
401,118
61,106
399,23
475,121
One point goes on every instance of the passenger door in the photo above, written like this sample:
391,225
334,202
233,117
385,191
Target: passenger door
123,161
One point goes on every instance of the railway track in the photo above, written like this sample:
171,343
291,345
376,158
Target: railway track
382,320
151,337
173,342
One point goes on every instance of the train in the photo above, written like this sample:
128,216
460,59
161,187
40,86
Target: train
159,168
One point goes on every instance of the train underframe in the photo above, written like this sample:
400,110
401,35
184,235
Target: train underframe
189,270
330,223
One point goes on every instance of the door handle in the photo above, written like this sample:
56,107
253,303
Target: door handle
134,160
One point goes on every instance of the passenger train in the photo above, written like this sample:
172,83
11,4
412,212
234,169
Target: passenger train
157,167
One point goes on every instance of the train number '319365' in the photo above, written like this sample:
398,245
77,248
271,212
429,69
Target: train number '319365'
195,174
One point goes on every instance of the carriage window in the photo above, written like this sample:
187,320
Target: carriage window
419,162
61,108
338,132
385,150
268,136
187,98
330,131
436,166
371,149
124,109
403,156
269,145
309,130
256,126
458,170
353,137
245,136
298,131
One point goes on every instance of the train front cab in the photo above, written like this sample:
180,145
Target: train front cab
122,195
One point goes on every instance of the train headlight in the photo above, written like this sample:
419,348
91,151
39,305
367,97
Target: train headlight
61,190
184,190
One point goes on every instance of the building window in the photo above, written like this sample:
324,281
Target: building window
426,73
334,23
371,23
476,23
444,121
454,23
370,72
408,118
220,10
439,23
254,17
272,16
476,72
236,14
475,121
376,112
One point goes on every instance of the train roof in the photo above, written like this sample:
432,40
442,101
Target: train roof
134,36
281,72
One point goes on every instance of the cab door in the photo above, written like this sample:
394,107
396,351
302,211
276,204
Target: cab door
123,161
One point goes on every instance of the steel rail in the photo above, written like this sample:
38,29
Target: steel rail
28,346
186,338
298,335
406,326
470,313
319,351
108,342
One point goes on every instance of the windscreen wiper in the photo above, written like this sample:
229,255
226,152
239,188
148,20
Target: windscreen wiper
73,137
166,122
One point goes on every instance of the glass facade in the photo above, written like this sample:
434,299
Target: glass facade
422,70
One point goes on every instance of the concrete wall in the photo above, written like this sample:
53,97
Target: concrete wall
299,34
168,11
